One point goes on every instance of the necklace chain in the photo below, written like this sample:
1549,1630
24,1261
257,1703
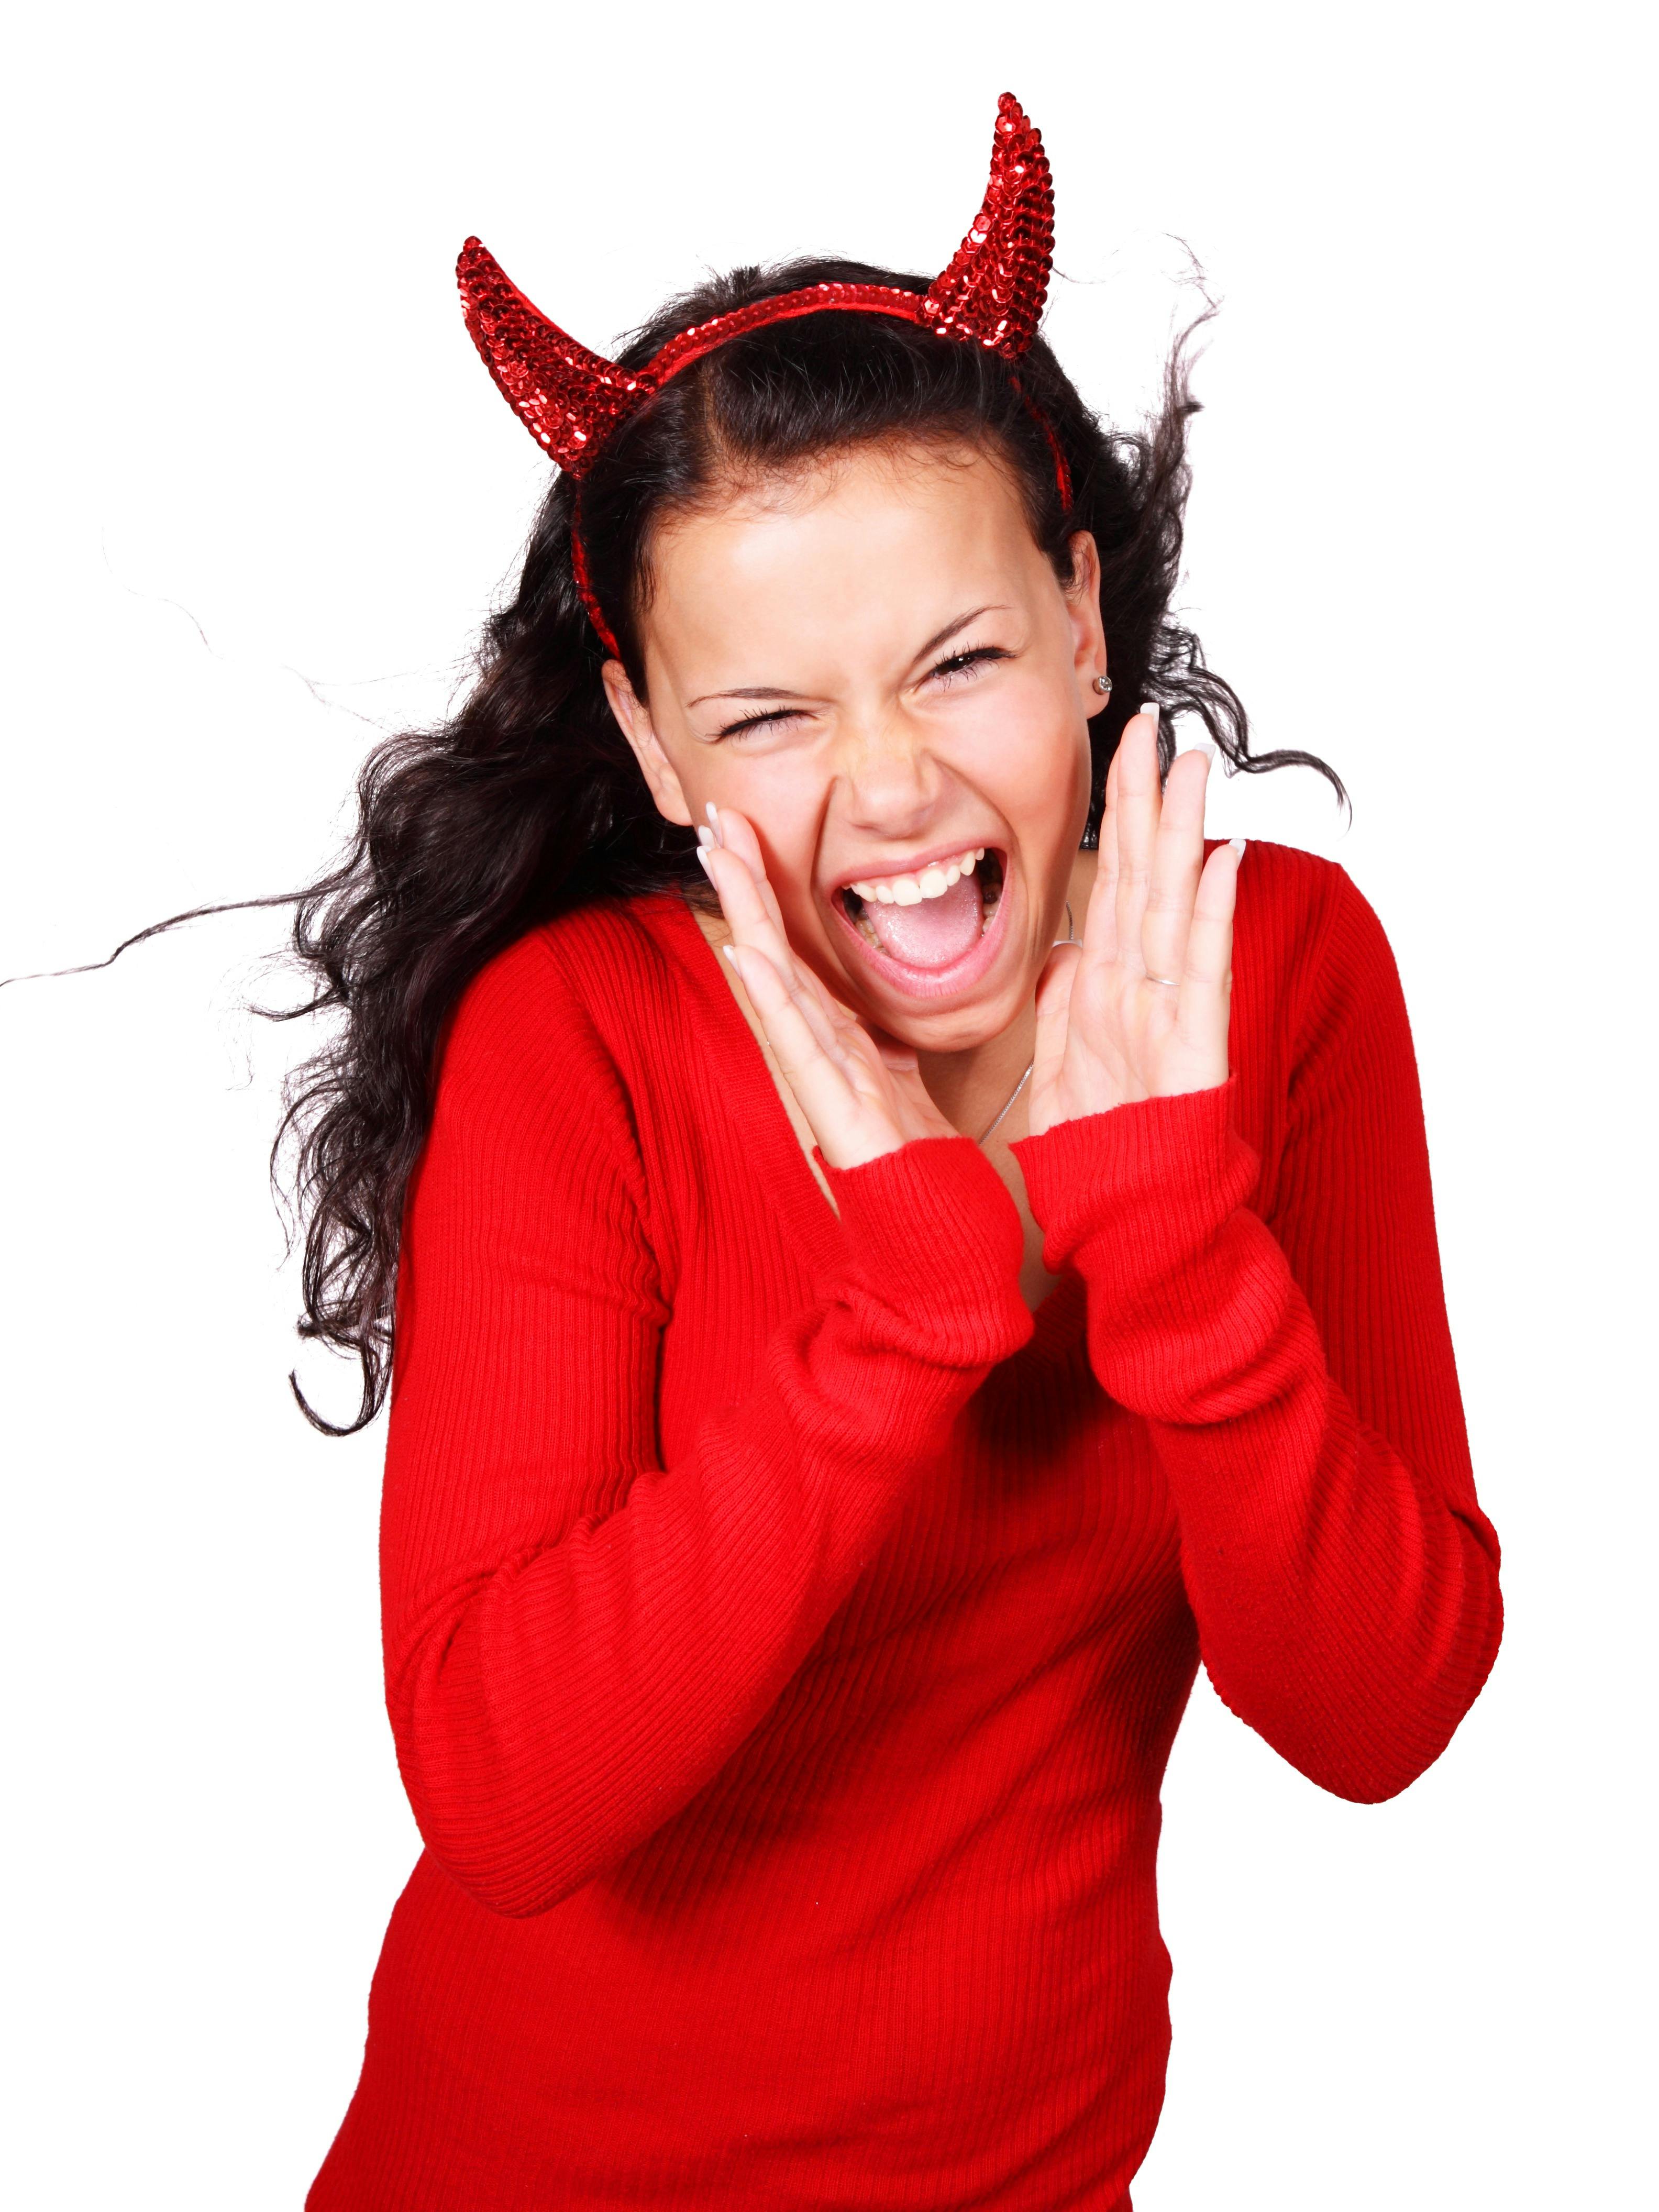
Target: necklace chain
1007,1103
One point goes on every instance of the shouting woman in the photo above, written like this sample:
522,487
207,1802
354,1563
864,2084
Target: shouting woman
899,1252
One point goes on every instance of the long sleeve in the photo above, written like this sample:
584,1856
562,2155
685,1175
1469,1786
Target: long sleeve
577,1637
1297,1375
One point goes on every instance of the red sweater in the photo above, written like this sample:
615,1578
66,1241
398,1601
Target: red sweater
784,1635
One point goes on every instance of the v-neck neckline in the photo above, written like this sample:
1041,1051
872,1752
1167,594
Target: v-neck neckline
750,1097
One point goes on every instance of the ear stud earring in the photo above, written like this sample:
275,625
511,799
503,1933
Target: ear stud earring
1103,685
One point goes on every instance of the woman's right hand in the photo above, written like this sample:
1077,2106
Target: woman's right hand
862,1097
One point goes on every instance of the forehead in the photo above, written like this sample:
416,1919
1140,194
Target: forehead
870,542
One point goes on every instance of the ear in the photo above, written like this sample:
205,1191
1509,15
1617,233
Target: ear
633,719
1088,632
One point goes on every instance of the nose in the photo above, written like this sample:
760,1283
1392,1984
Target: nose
889,782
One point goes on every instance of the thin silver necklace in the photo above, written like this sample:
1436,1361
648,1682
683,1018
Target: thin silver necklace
1008,1102
1013,1094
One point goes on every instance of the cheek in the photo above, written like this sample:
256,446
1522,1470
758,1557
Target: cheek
1027,752
782,794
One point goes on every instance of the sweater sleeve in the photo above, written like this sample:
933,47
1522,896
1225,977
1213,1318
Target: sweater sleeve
1298,1377
577,1637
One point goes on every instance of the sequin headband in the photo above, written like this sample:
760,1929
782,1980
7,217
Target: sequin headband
573,402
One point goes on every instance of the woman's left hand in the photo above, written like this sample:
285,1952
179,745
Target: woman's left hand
1139,1009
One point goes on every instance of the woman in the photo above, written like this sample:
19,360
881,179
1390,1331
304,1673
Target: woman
844,1387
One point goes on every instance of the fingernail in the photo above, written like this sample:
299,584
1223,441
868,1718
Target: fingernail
703,862
705,836
1150,707
1239,847
715,819
730,953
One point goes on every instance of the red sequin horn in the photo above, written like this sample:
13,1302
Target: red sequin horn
572,401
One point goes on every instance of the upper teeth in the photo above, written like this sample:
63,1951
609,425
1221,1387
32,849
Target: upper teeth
931,882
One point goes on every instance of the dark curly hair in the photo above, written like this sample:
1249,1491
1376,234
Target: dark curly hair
529,801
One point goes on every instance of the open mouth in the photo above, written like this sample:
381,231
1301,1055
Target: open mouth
932,931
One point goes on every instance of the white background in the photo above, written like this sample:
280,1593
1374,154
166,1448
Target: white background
262,492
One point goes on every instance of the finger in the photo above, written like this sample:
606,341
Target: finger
735,889
1054,1006
1207,975
1177,862
735,833
1100,922
752,915
744,902
756,917
832,1025
764,927
1139,806
857,1106
816,1074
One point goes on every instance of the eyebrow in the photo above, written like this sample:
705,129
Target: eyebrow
775,691
944,636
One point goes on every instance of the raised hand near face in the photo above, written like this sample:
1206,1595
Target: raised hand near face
1139,1009
863,1097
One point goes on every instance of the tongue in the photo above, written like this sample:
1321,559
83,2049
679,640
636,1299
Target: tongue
934,933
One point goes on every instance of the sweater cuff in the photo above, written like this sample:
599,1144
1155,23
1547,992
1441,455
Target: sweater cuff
1156,1179
935,1251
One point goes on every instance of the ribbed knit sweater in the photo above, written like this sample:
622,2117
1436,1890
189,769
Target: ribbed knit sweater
785,1631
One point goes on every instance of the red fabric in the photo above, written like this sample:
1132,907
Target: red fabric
785,1636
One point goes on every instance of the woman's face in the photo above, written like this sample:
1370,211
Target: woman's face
876,664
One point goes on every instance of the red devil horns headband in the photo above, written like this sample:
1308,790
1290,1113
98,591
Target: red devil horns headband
572,401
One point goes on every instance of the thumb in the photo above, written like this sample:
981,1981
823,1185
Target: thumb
1054,1006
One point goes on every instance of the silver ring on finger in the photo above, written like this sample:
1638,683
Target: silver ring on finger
1170,982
